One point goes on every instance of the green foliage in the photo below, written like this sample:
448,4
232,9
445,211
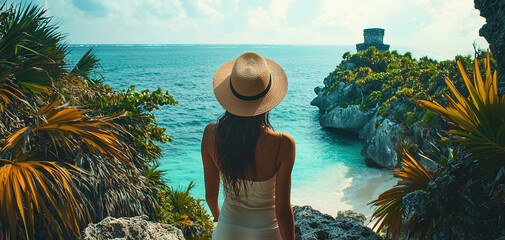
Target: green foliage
391,81
139,120
177,207
461,202
86,64
371,100
430,119
465,198
31,53
62,167
479,118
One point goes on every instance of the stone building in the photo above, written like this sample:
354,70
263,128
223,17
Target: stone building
373,37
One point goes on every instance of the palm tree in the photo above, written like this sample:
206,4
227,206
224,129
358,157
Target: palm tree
59,167
479,118
479,121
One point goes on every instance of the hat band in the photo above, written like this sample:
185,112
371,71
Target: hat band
251,98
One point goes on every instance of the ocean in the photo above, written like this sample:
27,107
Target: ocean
329,171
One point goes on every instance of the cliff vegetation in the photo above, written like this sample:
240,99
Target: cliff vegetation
464,196
374,94
73,150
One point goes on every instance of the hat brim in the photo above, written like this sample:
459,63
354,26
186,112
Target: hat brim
245,108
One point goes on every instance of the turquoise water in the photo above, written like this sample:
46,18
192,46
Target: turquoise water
329,171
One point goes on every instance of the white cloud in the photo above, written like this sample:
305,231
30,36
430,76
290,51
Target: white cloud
451,23
421,23
279,9
273,18
429,23
206,7
236,4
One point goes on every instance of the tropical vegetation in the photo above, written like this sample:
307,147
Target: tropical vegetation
390,82
73,150
464,198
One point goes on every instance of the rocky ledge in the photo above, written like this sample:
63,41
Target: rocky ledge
130,228
311,224
381,137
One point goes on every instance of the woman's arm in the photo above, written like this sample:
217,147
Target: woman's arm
211,171
283,210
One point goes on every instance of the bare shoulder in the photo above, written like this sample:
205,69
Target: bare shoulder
210,127
287,149
287,140
209,130
208,135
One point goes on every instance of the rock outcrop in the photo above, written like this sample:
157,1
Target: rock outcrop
350,118
377,148
494,30
382,137
381,142
131,228
311,224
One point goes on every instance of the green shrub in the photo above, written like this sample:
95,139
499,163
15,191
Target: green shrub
178,208
62,167
386,77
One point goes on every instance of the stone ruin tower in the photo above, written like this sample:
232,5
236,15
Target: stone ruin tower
373,37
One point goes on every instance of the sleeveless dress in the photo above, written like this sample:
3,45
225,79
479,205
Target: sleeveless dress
251,217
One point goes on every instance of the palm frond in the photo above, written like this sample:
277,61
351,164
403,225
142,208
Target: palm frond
390,210
70,128
440,157
155,177
31,52
7,93
32,189
480,117
86,64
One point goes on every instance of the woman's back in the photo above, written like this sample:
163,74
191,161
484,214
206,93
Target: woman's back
251,215
242,149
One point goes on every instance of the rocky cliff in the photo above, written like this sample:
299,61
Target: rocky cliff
381,137
494,30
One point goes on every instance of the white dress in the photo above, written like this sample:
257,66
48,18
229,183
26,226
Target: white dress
251,217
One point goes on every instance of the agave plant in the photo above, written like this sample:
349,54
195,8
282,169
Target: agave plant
479,118
390,212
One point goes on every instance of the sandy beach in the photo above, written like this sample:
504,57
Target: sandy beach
336,190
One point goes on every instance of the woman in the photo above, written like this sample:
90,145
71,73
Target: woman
242,148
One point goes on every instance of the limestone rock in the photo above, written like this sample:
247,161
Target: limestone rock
381,143
326,102
130,228
350,118
311,224
349,214
494,30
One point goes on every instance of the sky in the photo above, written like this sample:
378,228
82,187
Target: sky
416,23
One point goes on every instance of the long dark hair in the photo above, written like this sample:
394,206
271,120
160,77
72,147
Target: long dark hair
236,139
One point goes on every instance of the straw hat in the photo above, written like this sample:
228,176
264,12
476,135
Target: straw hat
250,85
